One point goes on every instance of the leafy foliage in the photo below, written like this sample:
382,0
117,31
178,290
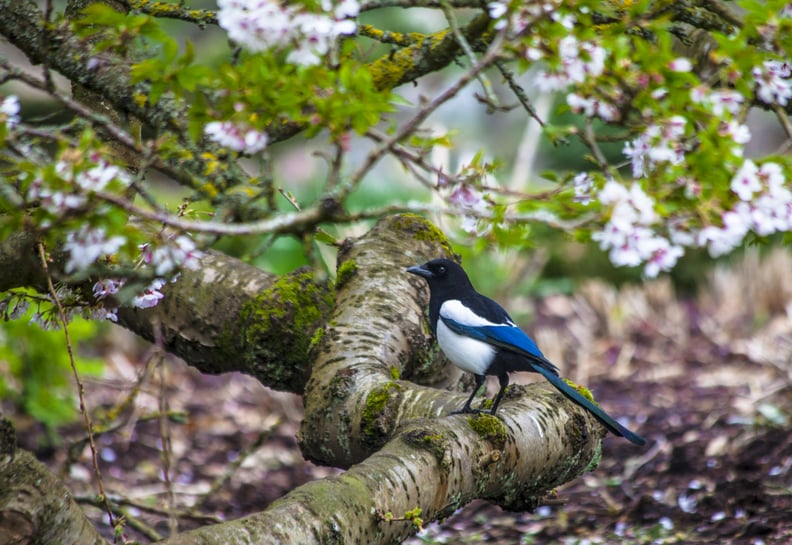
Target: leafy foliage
38,374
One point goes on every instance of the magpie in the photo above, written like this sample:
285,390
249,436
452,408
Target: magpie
478,336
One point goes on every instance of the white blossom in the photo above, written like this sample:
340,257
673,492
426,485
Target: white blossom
236,137
578,61
681,64
150,296
583,184
773,84
467,198
746,181
9,111
260,25
87,245
658,144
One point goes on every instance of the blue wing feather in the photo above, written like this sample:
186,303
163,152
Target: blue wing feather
506,337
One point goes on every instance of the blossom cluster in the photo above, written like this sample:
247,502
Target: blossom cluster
629,235
261,25
473,204
764,206
659,143
73,187
86,246
578,61
523,15
76,184
773,84
632,235
9,111
236,137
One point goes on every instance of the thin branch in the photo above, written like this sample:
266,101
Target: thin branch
169,10
448,11
519,92
80,387
406,4
373,157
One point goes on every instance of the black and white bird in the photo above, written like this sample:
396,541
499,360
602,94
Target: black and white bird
478,335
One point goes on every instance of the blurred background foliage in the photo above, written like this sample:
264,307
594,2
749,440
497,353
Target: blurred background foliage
35,371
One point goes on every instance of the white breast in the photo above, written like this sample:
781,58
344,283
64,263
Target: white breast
466,353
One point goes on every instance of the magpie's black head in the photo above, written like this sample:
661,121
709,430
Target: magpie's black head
441,273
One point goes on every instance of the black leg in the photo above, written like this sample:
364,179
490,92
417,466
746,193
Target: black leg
504,382
466,409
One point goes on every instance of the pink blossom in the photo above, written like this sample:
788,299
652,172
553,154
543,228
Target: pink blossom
236,137
150,296
773,84
681,64
87,245
9,111
746,181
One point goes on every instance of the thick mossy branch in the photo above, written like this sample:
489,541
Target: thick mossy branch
229,316
171,10
427,54
363,382
276,329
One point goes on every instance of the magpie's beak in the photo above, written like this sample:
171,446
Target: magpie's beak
420,271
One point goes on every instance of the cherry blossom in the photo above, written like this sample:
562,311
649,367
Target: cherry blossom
87,245
467,198
236,137
260,25
658,144
578,61
746,181
773,84
9,111
150,296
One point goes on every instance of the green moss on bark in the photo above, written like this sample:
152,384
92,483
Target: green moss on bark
379,414
277,328
422,229
345,272
490,428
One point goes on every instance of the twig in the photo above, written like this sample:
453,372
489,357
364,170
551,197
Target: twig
519,92
123,514
166,454
80,387
374,156
448,11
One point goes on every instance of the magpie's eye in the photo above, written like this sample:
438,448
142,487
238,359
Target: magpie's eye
441,269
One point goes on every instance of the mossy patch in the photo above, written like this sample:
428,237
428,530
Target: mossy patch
436,443
582,390
490,428
424,230
316,339
378,416
276,329
345,272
